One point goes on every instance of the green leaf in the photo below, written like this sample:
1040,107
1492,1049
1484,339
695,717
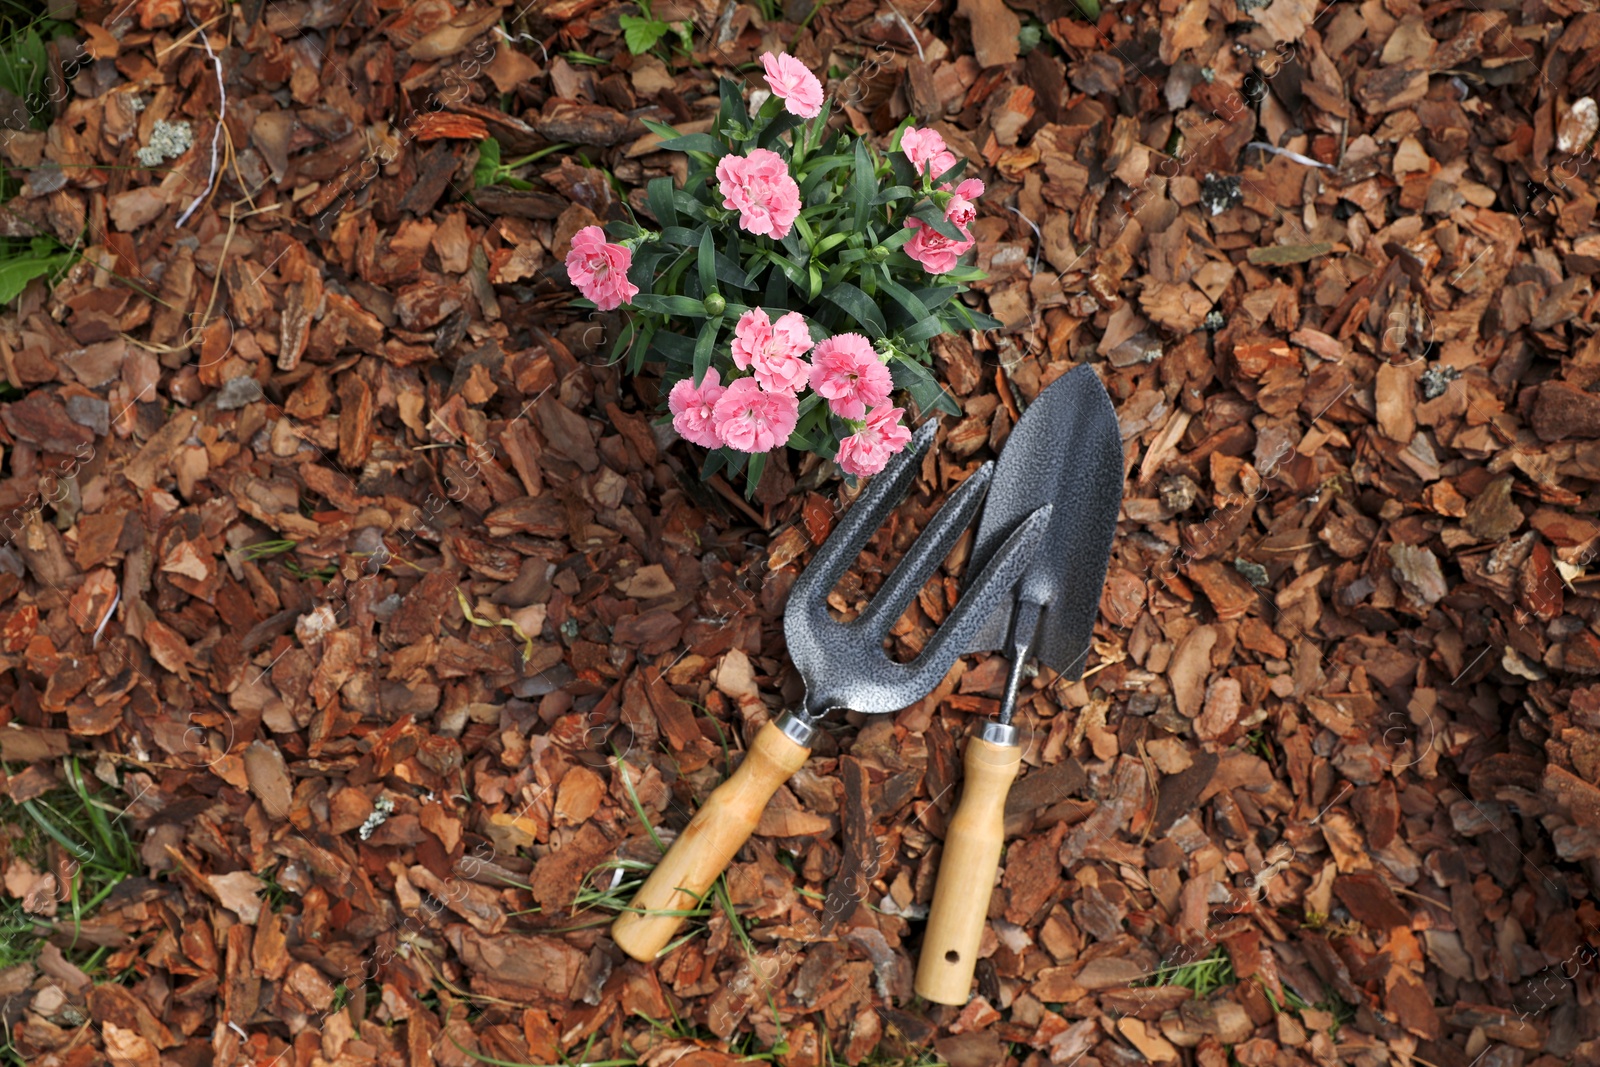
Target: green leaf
488,165
673,347
639,347
752,477
922,331
660,129
619,347
777,294
856,304
707,263
894,192
951,176
832,241
716,459
898,238
924,389
862,185
640,33
704,346
964,274
758,263
937,296
802,228
729,273
930,215
680,236
694,142
731,110
815,171
776,128
658,194
16,272
796,275
908,302
968,319
688,205
670,305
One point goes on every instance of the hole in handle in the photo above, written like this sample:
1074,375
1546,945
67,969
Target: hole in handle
952,956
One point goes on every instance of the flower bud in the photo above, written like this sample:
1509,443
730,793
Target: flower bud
879,253
716,304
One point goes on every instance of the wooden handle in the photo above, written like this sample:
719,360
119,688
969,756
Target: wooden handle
707,845
966,874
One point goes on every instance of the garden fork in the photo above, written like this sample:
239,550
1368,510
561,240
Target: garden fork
843,665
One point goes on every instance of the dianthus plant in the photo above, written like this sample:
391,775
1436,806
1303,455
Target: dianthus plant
791,287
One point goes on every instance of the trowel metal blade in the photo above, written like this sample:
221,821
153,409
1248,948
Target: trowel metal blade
1066,451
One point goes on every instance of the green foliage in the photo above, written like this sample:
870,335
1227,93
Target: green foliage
25,62
841,265
23,261
490,170
262,549
74,831
1203,977
1029,36
1333,1004
265,549
641,33
1256,741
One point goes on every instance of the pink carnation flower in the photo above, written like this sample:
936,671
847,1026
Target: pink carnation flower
600,269
751,419
794,84
759,187
847,371
936,252
961,210
926,150
866,451
772,350
693,414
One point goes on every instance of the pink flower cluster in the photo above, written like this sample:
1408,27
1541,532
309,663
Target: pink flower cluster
927,152
792,83
867,451
937,253
759,187
754,414
771,351
600,269
758,413
849,374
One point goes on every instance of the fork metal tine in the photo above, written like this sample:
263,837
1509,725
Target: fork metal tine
932,545
882,493
844,667
992,586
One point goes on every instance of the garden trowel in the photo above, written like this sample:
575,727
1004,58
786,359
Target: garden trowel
843,665
1065,453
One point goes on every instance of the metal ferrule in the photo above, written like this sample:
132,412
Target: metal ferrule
797,728
999,733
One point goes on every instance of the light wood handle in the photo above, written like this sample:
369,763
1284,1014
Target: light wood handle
707,845
966,874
